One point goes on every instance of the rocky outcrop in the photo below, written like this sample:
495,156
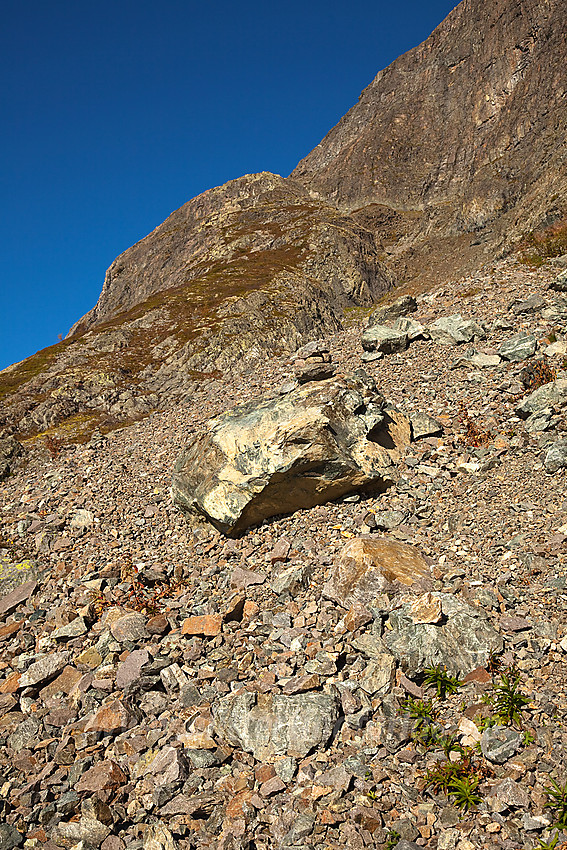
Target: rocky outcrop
442,133
273,456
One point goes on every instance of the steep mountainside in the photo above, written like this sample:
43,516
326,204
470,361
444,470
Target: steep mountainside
466,127
454,155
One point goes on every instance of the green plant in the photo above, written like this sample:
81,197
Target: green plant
528,738
442,681
508,701
450,744
464,792
372,795
421,710
392,839
557,803
548,845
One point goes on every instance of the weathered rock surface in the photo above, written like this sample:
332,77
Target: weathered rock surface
9,449
370,567
454,330
273,726
314,444
461,641
384,339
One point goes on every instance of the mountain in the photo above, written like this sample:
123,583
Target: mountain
455,154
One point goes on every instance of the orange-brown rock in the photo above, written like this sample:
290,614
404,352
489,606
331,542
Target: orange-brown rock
208,625
368,567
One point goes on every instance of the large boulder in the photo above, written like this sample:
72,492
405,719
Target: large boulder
553,394
269,726
460,638
454,330
274,456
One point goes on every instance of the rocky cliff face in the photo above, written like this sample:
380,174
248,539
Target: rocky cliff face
451,156
467,131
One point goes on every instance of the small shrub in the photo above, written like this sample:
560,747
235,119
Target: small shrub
508,701
475,435
392,839
537,374
459,779
442,681
557,803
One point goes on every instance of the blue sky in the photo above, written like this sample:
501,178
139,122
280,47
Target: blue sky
114,114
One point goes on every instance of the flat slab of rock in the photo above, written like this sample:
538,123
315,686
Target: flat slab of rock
10,601
317,443
384,339
461,641
13,574
402,306
552,395
454,330
518,348
270,726
367,567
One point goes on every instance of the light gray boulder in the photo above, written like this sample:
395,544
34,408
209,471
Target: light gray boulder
384,339
454,330
269,726
273,456
518,348
461,640
551,395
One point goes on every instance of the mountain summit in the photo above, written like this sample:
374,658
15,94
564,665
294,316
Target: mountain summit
453,155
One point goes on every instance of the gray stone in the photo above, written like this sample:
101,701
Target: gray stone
25,735
10,837
454,330
518,348
551,395
14,574
508,794
313,370
169,765
44,669
9,449
88,830
75,628
403,305
500,743
412,329
461,641
539,421
386,520
555,456
130,669
130,627
533,304
378,676
384,339
277,455
303,825
424,425
202,758
269,726
285,769
560,282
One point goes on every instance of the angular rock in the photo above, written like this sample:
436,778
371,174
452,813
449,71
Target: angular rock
113,717
75,628
131,627
104,776
10,837
553,394
10,601
378,676
533,304
402,306
518,348
412,329
508,794
384,339
9,449
462,641
500,743
207,625
424,425
13,574
130,669
560,282
269,726
267,457
158,837
44,669
454,330
169,766
555,456
367,567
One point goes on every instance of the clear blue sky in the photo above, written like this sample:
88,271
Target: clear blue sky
114,114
